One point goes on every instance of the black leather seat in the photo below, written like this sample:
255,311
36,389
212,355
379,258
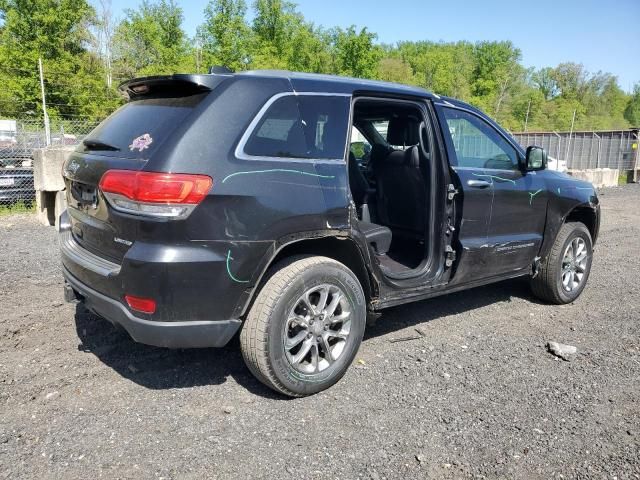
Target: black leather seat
378,236
401,191
357,181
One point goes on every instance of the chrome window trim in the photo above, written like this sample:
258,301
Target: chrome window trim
456,167
240,153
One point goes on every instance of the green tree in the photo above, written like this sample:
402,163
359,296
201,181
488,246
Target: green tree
150,41
496,71
545,82
570,79
274,27
605,103
395,70
82,52
58,31
632,110
355,54
312,50
225,34
448,68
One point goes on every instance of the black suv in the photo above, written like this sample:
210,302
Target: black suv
293,206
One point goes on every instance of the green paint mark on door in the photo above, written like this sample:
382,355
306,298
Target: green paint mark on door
532,195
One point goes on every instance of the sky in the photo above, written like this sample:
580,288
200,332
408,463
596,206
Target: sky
601,35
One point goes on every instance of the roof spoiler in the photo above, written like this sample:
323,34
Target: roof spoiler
220,70
181,84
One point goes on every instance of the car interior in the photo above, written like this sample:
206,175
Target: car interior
388,171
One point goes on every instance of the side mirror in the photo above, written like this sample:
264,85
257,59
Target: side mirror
536,159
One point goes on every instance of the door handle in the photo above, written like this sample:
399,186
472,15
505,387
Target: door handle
478,183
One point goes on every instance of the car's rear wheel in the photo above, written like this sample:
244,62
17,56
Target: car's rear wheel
305,326
564,274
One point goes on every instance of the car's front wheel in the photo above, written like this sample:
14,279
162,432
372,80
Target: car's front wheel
305,326
564,273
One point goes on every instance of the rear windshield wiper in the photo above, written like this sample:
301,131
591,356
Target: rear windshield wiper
98,145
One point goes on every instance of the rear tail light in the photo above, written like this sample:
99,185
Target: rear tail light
155,194
139,304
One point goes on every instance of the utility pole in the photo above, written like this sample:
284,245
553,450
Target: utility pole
105,37
526,120
198,52
47,131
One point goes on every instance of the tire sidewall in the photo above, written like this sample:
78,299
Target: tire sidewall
577,232
326,273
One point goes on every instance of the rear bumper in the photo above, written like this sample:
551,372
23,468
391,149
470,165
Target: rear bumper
189,280
187,334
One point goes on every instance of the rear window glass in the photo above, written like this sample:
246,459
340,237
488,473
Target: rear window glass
136,129
302,126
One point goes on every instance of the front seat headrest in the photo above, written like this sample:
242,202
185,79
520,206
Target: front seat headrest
403,131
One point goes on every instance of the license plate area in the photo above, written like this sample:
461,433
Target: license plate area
84,194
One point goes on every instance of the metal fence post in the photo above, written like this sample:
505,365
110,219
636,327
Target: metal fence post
558,148
620,150
599,145
636,164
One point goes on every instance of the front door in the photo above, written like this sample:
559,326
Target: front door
474,203
519,206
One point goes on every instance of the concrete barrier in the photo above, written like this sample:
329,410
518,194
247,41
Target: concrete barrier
599,177
48,182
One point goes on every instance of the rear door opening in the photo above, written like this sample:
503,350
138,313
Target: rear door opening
389,176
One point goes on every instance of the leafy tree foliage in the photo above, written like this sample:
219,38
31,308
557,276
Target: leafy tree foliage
83,50
150,41
58,32
226,34
632,112
274,28
356,55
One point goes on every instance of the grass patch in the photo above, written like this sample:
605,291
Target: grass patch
18,207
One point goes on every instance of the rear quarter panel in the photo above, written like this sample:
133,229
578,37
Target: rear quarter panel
255,206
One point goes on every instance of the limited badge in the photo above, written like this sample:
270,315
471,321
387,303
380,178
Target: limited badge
141,143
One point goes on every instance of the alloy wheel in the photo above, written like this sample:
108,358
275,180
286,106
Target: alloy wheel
317,329
574,264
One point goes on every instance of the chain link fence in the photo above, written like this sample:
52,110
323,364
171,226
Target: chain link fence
587,150
18,140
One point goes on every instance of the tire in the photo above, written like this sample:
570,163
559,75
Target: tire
551,282
287,310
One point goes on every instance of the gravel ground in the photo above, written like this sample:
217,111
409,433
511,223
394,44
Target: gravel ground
477,396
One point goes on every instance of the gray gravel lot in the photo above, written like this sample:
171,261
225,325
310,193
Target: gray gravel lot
477,396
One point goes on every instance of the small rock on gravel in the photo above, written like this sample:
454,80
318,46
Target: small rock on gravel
51,395
565,352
